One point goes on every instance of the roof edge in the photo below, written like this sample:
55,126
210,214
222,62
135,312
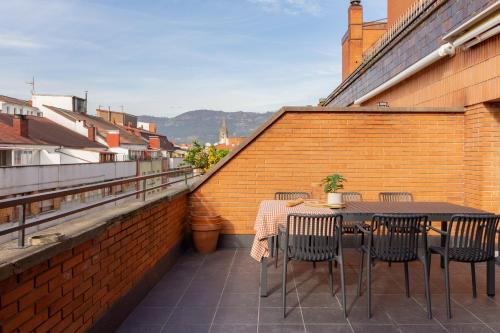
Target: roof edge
312,109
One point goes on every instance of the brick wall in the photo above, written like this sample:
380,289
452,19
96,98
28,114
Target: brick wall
377,151
73,289
482,157
468,78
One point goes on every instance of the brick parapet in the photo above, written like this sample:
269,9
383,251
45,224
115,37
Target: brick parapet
70,286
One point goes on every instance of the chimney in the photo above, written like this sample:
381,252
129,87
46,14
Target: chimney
113,139
352,46
91,133
152,127
20,124
154,142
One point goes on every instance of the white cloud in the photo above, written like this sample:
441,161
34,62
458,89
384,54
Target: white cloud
290,7
17,42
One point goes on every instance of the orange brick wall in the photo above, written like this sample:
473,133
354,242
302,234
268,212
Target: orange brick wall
482,156
468,78
418,152
73,289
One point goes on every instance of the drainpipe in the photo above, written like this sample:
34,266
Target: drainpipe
447,49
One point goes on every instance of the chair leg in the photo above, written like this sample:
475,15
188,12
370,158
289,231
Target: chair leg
277,253
369,283
447,286
473,272
273,239
407,280
330,277
342,285
429,261
427,288
283,288
360,275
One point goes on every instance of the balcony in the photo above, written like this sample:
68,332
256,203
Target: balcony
129,267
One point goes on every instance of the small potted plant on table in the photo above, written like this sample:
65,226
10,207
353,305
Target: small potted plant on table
331,184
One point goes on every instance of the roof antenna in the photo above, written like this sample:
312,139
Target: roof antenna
32,84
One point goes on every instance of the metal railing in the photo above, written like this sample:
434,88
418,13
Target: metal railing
417,8
140,181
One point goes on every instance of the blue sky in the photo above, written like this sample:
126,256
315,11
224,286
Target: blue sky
167,57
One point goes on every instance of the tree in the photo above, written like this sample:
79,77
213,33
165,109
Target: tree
197,156
215,155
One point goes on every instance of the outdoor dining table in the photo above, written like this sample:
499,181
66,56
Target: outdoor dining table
274,212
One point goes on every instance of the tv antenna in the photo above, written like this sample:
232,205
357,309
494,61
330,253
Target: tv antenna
32,84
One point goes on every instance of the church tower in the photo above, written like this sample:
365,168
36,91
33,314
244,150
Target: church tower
223,137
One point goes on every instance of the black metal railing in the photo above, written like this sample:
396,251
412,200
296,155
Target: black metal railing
141,189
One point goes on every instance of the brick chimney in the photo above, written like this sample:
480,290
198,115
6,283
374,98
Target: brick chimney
154,142
113,139
352,46
20,125
152,127
91,133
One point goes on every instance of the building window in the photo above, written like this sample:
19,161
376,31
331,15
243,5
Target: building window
46,205
23,157
5,157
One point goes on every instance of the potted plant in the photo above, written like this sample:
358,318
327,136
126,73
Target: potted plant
205,229
331,184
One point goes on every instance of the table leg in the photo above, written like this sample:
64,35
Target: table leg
444,227
263,277
490,278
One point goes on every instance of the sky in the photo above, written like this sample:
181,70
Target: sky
165,57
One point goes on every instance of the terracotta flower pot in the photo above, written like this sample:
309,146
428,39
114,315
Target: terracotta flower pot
206,229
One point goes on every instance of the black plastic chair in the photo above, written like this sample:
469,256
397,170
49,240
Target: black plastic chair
285,196
395,197
315,238
350,227
469,238
395,238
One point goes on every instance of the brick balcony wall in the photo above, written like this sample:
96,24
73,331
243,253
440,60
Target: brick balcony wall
482,157
377,151
72,290
422,40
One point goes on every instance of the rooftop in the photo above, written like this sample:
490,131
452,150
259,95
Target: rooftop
42,131
102,126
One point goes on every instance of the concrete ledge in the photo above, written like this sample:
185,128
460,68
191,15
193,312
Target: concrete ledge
15,260
119,311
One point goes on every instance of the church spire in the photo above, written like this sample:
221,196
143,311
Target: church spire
223,136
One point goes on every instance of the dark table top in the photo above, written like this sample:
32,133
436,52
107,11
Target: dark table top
436,211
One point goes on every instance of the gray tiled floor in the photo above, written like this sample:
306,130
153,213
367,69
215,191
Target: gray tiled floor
220,293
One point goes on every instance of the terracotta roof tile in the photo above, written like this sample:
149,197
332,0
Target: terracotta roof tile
42,131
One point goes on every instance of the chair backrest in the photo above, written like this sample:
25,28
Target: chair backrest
351,197
395,237
312,237
291,195
475,235
395,196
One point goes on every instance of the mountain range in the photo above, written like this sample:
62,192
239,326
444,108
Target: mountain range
203,125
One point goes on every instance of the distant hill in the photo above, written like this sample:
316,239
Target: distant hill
203,125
